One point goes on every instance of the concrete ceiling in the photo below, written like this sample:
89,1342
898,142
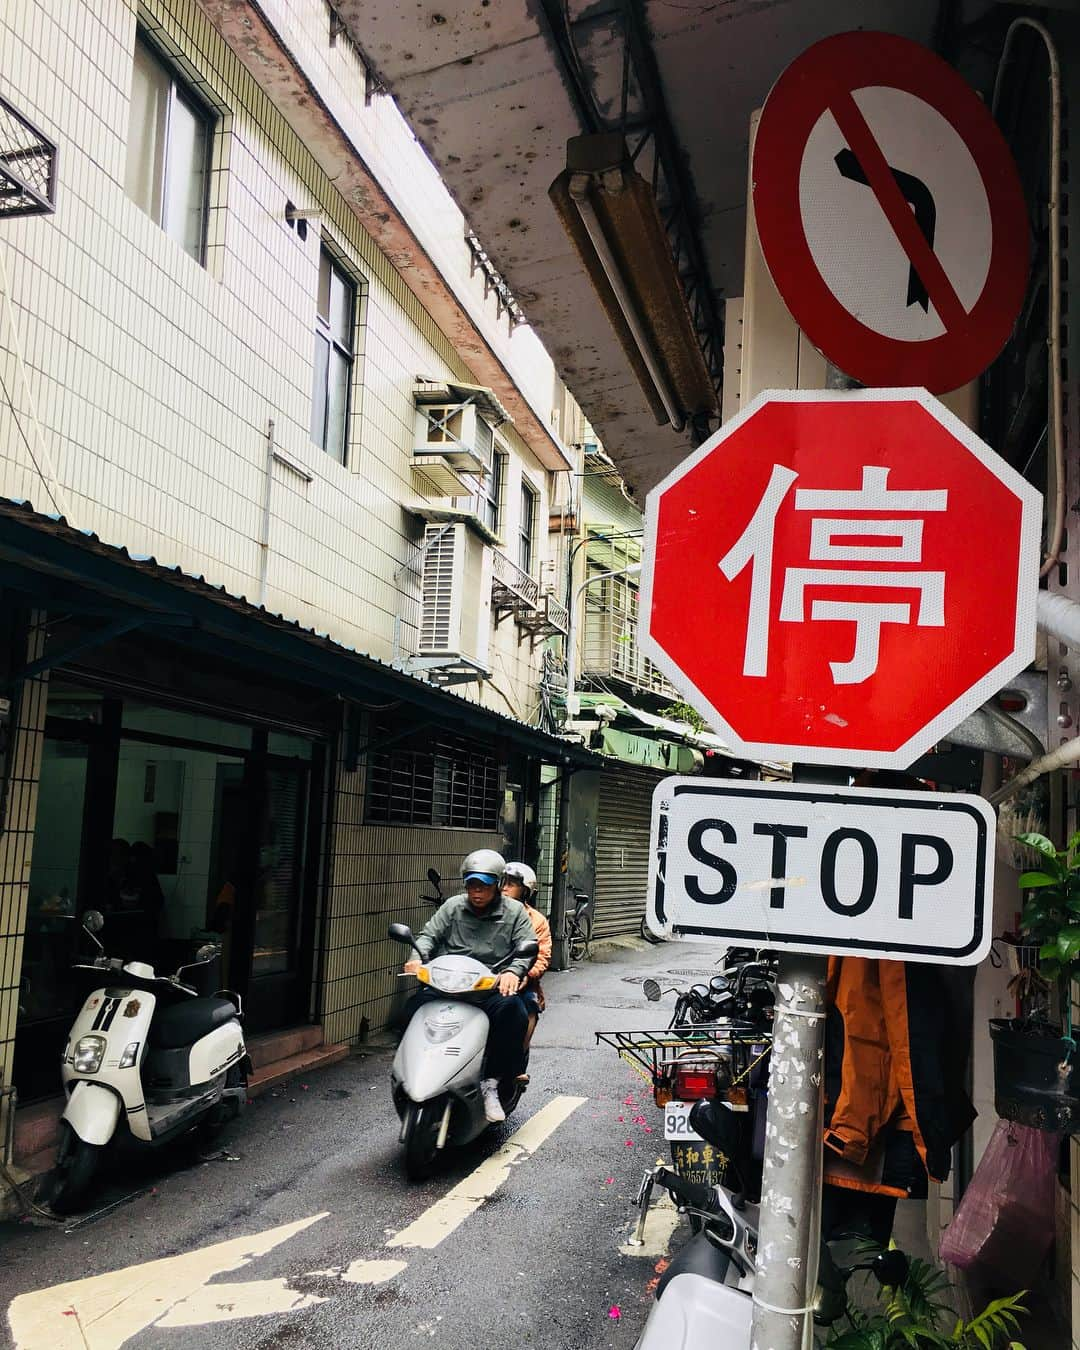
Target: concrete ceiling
488,89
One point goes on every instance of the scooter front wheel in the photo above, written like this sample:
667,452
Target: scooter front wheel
76,1167
421,1138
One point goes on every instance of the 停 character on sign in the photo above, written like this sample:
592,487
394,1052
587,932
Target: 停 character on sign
900,542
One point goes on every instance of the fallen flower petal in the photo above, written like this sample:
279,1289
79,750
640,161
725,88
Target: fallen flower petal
614,1312
609,1181
629,1143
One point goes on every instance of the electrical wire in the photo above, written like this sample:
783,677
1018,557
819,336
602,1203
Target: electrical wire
1053,341
48,479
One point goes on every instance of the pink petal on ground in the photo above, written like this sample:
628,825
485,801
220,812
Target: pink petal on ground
621,1119
614,1312
648,1129
609,1181
629,1143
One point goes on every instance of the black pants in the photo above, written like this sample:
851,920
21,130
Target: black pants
506,1012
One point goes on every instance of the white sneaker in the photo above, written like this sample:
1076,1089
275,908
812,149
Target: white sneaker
489,1091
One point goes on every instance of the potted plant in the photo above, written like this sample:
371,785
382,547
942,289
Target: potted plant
1036,1067
912,1316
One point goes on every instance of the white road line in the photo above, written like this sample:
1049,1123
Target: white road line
229,1302
103,1311
468,1195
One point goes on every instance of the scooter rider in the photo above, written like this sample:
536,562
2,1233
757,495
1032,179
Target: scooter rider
484,924
519,883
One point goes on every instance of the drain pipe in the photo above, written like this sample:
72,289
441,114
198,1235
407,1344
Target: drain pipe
1058,617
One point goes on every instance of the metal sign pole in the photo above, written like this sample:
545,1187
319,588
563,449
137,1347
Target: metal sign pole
789,1226
791,1187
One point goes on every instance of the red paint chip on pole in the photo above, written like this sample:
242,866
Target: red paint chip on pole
890,212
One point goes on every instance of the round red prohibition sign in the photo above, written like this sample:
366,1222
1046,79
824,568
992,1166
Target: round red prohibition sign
890,212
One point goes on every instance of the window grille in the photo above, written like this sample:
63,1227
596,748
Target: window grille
441,780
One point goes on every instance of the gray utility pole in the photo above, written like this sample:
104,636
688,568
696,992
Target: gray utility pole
791,1187
789,1228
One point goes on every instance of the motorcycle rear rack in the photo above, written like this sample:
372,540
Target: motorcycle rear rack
651,1053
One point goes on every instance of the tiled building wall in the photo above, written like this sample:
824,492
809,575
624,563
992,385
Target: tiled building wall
156,378
376,877
16,847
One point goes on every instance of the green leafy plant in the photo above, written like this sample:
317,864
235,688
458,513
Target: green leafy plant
1051,916
915,1316
681,711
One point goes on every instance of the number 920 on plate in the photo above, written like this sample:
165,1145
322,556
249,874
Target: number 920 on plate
677,1121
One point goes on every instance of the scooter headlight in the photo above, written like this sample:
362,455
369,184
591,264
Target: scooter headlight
89,1052
453,981
130,1055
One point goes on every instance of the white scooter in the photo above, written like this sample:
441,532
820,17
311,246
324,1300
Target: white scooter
705,1296
147,1048
436,1072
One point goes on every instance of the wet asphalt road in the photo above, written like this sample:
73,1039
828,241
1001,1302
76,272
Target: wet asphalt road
537,1264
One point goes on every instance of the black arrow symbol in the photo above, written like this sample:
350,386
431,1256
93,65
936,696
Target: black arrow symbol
919,198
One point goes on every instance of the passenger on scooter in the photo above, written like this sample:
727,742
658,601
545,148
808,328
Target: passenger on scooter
519,883
487,926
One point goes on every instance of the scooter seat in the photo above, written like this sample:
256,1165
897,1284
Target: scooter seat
184,1023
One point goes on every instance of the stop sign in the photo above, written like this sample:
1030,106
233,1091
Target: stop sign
840,577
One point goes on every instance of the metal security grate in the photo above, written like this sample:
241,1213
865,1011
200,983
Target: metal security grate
434,780
27,165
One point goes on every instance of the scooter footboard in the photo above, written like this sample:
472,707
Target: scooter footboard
92,1111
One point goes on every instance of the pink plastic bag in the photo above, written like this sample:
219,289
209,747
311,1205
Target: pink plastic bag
1005,1222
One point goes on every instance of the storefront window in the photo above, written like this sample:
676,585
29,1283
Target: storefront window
179,826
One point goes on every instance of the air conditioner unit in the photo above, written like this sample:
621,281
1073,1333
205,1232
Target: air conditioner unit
455,616
454,433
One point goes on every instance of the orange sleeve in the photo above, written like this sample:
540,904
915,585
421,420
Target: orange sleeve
543,937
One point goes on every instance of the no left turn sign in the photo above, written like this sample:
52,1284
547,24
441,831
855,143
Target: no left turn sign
890,212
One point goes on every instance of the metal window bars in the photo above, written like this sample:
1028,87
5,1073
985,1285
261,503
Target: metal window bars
28,160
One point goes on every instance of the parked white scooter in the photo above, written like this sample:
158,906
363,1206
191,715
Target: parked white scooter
436,1072
147,1049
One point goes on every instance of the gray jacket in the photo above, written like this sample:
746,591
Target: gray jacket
456,929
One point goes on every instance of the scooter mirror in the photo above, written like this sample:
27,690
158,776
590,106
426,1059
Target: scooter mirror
890,1268
531,950
207,951
651,990
93,921
434,877
401,932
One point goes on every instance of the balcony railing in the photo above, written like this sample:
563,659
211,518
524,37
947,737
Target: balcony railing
611,653
511,587
548,620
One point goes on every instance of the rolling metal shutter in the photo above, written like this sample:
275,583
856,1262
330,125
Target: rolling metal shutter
622,848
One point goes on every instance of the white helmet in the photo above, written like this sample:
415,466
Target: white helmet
519,871
483,864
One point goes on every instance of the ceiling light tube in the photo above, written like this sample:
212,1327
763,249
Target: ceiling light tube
579,194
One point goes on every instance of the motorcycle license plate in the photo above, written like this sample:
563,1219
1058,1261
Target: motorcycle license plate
677,1121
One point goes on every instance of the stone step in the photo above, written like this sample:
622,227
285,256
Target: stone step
37,1127
275,1045
307,1061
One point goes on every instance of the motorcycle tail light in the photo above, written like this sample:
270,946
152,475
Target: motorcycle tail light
661,1093
693,1084
737,1096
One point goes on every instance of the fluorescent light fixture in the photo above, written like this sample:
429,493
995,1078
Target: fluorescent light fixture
612,217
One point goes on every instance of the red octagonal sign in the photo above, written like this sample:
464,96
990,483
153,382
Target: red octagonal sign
841,577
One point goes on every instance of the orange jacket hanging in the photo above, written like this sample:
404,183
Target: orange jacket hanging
897,1042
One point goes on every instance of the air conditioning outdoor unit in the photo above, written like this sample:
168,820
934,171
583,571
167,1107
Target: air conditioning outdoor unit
455,614
455,433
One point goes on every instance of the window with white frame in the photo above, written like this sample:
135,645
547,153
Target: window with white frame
489,496
527,528
335,321
168,150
